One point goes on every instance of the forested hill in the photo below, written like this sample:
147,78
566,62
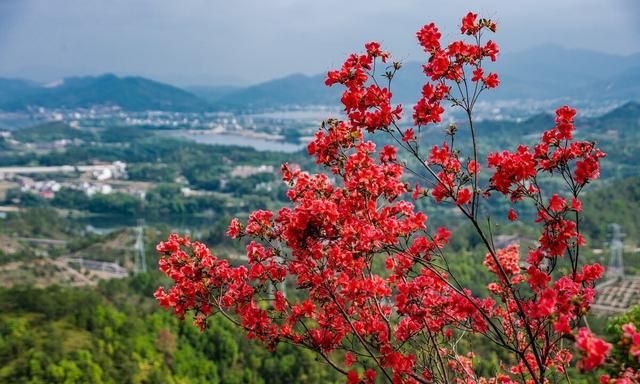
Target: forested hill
117,334
128,93
618,203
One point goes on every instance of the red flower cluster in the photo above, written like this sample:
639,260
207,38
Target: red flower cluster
366,106
449,63
428,108
508,260
335,235
446,67
594,350
516,175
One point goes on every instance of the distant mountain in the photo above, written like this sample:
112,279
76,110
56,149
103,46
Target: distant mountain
546,72
624,85
628,112
542,73
550,71
615,129
130,93
10,89
296,89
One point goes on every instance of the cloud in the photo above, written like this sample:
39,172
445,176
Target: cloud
244,41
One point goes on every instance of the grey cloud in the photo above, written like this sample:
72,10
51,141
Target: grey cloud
243,41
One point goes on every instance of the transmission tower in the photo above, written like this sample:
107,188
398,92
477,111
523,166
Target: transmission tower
140,262
616,266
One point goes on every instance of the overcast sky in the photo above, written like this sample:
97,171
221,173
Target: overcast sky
246,41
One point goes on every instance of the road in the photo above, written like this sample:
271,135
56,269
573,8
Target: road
54,169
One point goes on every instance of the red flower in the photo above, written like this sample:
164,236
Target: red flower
429,37
234,229
370,374
632,337
594,350
349,359
546,304
373,50
512,215
469,25
507,258
388,154
557,203
478,73
491,81
588,169
490,50
565,113
464,196
473,167
576,204
428,109
353,377
408,135
511,170
438,65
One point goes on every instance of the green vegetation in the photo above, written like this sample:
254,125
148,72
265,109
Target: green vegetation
174,167
614,330
117,334
616,203
52,131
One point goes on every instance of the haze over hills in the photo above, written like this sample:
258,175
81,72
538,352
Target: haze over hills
548,72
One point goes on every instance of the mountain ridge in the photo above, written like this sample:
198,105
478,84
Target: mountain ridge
544,72
133,93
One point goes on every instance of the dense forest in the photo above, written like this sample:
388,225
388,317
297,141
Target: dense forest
116,334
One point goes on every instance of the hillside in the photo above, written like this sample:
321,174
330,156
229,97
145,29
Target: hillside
129,93
10,89
617,203
51,131
296,89
116,333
